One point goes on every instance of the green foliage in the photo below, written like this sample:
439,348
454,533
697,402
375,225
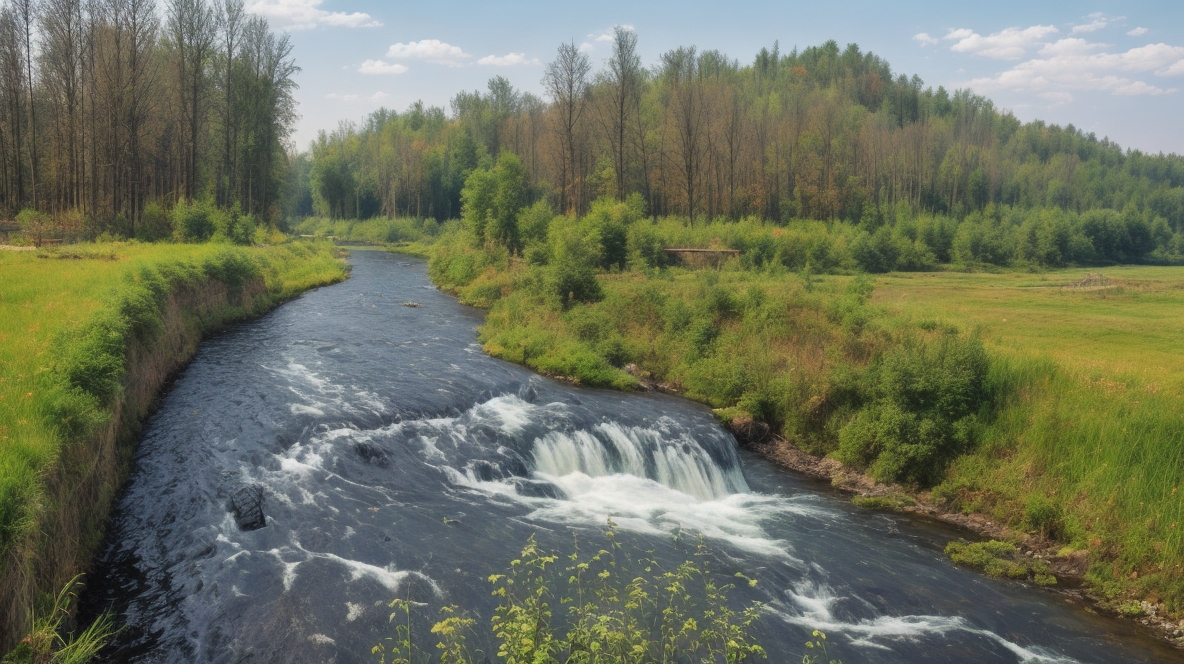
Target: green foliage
1000,560
605,607
378,230
534,223
571,272
492,201
34,224
922,401
192,221
155,224
50,641
1045,517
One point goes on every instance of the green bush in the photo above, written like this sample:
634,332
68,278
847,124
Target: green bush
922,399
1045,517
192,221
232,226
534,223
572,267
155,224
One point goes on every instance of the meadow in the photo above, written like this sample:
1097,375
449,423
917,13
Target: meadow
1089,445
71,319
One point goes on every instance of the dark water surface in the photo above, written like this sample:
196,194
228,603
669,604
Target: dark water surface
397,460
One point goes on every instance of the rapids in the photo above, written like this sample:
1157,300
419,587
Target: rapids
395,459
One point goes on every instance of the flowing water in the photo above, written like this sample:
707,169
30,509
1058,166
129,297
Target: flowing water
395,459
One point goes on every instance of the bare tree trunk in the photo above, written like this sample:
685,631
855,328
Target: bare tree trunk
566,80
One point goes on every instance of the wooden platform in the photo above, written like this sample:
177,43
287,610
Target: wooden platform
704,252
698,258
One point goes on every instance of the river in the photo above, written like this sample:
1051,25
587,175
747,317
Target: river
395,459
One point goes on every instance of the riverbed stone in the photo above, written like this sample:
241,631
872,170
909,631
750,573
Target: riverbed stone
247,504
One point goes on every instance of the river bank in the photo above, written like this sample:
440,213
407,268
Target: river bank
1076,453
91,335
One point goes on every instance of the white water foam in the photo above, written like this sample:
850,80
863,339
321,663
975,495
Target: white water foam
815,602
681,464
389,577
319,395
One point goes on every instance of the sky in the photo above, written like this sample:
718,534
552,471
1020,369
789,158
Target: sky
1112,68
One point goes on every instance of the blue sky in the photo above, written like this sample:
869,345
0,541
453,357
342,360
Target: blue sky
1113,68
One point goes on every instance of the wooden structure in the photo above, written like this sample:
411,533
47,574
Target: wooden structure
700,257
7,227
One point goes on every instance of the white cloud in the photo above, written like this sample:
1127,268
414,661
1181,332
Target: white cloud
1137,88
1074,64
603,37
374,98
380,67
1097,21
307,14
508,60
924,39
431,50
1009,44
1138,32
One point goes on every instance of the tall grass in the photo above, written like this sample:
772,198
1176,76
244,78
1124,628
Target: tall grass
1088,446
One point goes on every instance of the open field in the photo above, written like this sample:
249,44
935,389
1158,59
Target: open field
1127,326
1093,434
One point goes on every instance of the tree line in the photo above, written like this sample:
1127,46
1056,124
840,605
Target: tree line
820,133
112,107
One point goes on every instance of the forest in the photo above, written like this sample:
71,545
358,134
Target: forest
114,111
821,133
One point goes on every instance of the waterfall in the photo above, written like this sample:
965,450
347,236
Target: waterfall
610,448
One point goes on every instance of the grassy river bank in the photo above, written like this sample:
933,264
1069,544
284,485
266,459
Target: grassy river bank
89,335
1041,401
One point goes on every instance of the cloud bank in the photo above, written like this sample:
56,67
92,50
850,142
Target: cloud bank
1052,67
430,50
307,14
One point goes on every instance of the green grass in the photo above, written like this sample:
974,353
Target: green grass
66,319
1000,560
1093,427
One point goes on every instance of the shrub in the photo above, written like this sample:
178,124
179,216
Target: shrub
572,267
231,225
534,222
35,224
155,224
922,398
645,246
192,221
1043,516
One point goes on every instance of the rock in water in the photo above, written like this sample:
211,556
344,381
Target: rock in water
372,454
247,504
